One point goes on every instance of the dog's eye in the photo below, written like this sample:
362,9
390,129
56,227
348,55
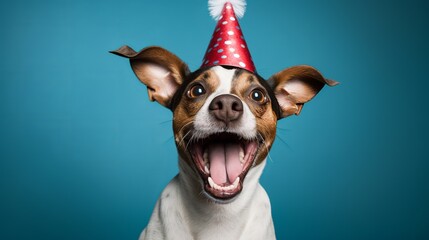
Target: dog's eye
196,91
258,96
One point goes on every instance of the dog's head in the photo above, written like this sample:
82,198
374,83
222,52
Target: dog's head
224,118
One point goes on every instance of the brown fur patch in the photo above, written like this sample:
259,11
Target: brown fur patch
266,118
242,85
185,112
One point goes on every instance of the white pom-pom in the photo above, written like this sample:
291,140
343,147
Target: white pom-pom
216,6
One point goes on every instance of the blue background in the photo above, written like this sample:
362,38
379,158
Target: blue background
84,154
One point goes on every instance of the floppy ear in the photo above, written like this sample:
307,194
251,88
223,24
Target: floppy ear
160,70
295,86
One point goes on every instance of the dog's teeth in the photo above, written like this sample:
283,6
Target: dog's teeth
211,182
206,169
235,184
214,185
241,154
226,188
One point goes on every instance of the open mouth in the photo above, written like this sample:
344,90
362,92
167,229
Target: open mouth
222,161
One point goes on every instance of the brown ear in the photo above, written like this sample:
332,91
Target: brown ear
295,86
160,70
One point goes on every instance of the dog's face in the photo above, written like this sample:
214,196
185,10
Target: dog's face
224,124
224,118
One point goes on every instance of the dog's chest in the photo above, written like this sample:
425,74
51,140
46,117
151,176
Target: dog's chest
179,216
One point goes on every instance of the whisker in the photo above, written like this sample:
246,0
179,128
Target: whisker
193,138
186,134
190,140
283,141
168,140
186,124
265,144
165,122
283,129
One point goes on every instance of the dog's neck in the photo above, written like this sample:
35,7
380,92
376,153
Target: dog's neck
200,205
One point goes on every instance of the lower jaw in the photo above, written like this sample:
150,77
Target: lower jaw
222,195
228,191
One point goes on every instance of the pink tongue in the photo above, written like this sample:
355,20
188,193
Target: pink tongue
233,165
224,162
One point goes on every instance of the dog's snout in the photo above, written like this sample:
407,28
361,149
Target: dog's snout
226,108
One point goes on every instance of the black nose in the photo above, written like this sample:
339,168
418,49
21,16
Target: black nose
226,108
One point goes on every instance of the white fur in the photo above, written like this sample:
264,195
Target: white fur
183,213
205,124
216,6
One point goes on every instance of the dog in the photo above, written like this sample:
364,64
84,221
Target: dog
224,124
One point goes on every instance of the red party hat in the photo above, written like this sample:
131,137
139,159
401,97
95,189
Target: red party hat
227,46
